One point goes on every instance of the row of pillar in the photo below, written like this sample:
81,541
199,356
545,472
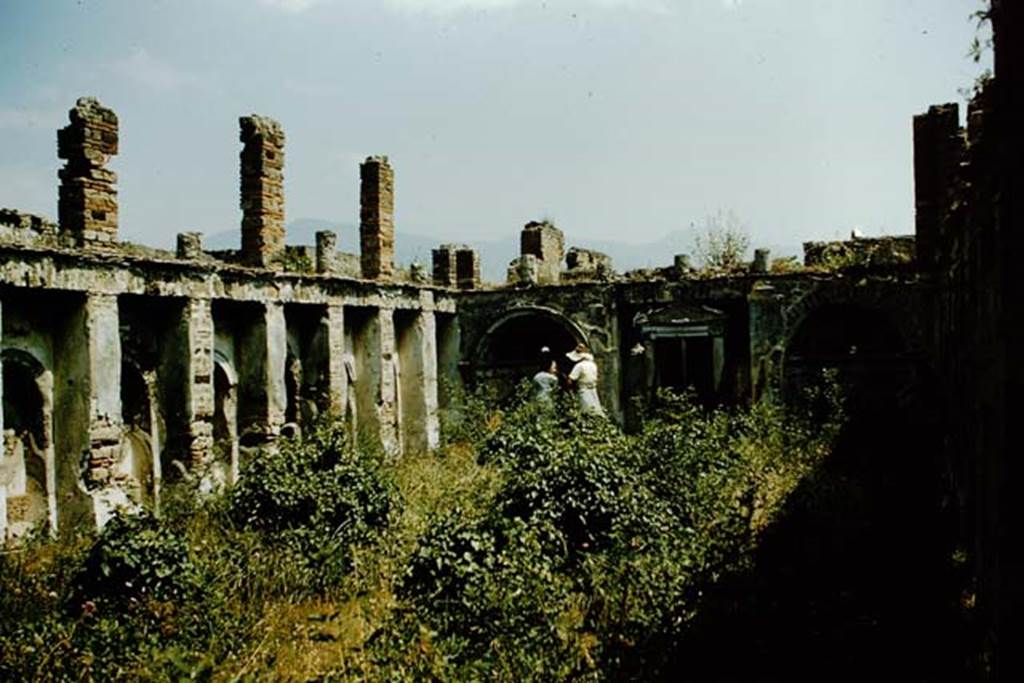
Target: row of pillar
380,376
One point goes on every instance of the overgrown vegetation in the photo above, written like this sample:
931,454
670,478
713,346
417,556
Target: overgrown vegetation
539,544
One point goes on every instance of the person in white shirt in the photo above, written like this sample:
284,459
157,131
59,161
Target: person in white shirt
584,378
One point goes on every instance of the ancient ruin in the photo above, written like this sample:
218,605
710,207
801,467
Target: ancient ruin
124,367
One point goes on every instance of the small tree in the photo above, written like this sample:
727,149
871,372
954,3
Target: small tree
723,242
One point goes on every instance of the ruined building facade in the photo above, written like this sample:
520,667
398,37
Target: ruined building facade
124,367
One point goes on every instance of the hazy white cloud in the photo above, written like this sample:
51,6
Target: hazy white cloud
732,4
145,70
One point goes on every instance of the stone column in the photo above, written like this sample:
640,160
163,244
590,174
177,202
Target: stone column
767,336
387,401
377,218
87,200
199,390
326,251
417,351
276,366
92,360
337,377
373,339
262,189
938,150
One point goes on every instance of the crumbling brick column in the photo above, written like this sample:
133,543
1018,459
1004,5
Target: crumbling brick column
262,189
547,243
938,150
377,218
444,262
87,200
198,332
467,268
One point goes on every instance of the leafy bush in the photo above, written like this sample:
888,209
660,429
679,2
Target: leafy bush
597,545
314,496
135,558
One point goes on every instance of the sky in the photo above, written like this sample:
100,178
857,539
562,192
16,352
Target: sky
616,119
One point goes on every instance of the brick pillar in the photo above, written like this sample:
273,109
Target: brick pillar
938,150
444,265
87,200
467,268
546,242
199,390
377,218
262,189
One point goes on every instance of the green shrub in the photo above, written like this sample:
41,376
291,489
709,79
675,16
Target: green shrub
596,548
136,558
314,496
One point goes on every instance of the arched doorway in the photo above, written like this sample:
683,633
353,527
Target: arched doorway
511,348
138,465
860,346
26,460
225,420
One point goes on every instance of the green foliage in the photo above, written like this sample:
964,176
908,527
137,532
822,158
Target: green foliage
293,260
550,547
314,497
136,558
597,545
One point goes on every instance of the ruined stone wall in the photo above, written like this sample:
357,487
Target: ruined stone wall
970,208
135,365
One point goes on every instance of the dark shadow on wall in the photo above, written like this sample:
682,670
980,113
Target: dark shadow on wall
857,580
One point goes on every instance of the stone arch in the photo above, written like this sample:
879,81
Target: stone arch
883,299
138,466
862,345
510,348
225,417
27,465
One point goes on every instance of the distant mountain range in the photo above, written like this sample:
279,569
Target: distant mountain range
495,254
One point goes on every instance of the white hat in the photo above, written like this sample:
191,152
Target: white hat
579,353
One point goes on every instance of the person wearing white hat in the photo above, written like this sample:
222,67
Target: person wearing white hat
584,378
